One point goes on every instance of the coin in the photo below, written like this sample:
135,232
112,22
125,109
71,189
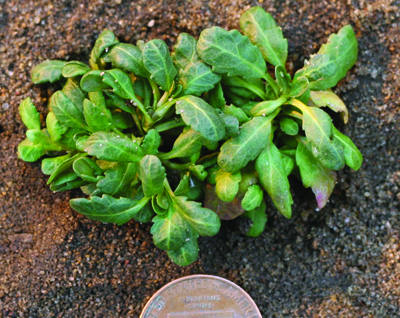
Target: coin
201,296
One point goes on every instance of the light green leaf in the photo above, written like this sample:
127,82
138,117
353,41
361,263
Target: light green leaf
267,107
317,69
198,171
74,68
273,178
230,52
203,220
187,143
97,118
283,79
72,90
231,125
343,48
352,155
65,166
187,254
29,115
47,71
158,62
313,174
216,96
227,185
108,209
259,219
66,111
118,179
329,99
112,147
30,152
42,137
299,87
49,165
318,128
152,174
246,146
87,169
120,82
252,198
128,58
201,117
183,187
105,40
169,230
261,28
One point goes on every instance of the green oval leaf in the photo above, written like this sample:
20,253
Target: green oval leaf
152,174
93,81
227,185
230,52
75,68
29,115
47,71
252,198
66,111
118,179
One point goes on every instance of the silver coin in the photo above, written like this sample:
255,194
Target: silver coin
201,296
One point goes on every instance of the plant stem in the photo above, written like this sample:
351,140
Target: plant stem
273,84
156,92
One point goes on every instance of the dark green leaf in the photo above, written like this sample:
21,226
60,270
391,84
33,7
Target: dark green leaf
93,81
352,155
227,185
119,102
75,68
152,174
158,62
197,78
283,79
246,146
66,111
252,198
128,58
237,112
247,88
185,51
29,115
118,179
108,209
216,97
183,187
151,142
231,125
201,117
289,126
260,27
121,121
259,219
313,174
230,52
112,147
47,71
273,178
76,183
68,138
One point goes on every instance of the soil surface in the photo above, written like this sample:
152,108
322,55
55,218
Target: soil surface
342,261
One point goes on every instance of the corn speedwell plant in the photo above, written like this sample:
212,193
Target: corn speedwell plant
149,135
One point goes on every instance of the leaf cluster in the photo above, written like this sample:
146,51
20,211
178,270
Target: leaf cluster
149,135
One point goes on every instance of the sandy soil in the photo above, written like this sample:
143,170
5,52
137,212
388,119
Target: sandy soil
343,261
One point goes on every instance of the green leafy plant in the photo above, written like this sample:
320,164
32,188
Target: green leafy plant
150,136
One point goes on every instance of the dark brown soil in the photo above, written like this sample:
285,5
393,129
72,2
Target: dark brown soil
343,261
